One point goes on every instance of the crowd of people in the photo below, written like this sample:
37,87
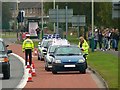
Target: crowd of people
106,39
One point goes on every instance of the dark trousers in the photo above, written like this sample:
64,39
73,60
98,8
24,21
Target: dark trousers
28,52
100,44
85,56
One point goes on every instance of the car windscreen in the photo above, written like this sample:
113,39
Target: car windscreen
44,44
2,47
52,49
68,51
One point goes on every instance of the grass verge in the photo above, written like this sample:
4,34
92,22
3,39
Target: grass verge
8,35
107,66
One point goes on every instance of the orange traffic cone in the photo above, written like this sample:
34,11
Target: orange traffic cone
28,65
35,51
30,76
33,70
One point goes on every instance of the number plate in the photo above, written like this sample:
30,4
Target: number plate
69,65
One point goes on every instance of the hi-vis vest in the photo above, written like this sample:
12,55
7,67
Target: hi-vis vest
27,44
85,46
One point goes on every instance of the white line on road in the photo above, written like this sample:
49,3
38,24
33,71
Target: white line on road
24,79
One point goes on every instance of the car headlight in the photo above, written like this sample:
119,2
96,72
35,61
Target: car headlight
57,61
81,61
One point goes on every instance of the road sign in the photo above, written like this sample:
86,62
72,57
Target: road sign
61,15
78,20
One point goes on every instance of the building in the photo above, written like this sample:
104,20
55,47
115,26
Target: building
31,9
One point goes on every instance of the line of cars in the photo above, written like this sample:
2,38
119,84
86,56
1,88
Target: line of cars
59,55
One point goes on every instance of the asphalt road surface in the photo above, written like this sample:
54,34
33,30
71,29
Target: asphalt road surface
46,79
16,68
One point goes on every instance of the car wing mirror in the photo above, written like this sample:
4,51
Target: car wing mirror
9,51
52,55
7,45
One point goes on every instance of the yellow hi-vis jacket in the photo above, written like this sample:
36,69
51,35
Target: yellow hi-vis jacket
27,44
85,47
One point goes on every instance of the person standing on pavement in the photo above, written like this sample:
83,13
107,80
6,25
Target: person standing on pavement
28,47
95,39
38,32
100,38
90,38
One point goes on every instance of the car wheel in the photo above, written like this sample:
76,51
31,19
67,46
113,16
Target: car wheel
54,71
83,71
86,65
38,57
42,59
47,69
6,75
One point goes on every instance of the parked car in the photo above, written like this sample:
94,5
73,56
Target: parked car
68,58
42,48
49,36
4,60
51,49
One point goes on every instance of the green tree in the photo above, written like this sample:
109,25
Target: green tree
105,14
102,14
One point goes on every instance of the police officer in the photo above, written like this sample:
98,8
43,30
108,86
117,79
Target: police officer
28,47
83,45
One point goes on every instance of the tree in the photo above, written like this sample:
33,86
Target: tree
6,15
105,13
102,14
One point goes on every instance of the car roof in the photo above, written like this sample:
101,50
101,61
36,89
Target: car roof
68,46
60,42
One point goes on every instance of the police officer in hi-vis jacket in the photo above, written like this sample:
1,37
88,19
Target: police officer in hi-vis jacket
28,47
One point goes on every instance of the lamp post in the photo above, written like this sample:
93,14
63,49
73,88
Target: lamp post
17,10
42,17
54,8
92,25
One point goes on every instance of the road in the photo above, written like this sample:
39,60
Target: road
16,69
62,80
16,73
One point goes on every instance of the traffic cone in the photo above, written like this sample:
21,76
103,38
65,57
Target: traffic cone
30,76
28,64
33,70
35,51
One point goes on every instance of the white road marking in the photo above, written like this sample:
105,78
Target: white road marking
24,79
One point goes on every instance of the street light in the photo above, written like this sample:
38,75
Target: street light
54,8
17,10
42,17
92,25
